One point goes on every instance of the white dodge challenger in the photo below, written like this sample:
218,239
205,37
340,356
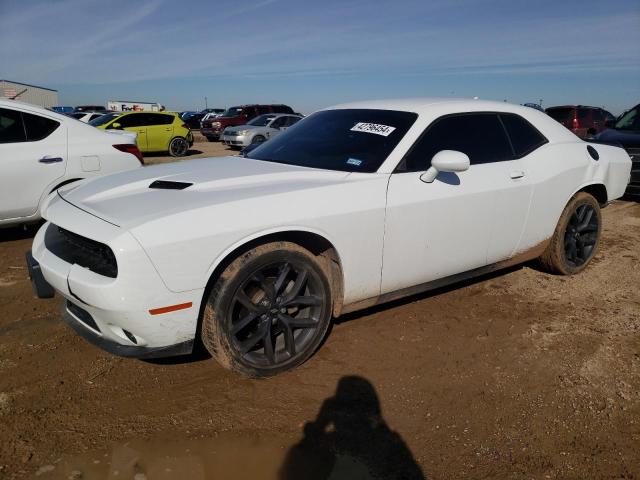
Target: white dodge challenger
353,206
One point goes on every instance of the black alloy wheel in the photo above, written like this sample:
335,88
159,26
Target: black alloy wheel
275,313
178,147
581,235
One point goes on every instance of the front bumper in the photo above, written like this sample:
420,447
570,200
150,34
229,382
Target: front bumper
122,309
211,132
72,315
236,140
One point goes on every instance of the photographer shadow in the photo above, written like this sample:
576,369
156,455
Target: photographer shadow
349,439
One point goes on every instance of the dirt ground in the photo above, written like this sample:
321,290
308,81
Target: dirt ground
518,375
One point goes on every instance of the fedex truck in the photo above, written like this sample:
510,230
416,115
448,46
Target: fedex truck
126,106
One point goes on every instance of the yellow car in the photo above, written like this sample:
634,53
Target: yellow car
157,131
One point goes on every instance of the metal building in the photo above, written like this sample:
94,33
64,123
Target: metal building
23,92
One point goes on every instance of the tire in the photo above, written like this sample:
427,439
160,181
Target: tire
178,147
258,139
211,139
264,316
576,238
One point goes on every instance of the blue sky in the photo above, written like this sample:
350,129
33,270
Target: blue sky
311,54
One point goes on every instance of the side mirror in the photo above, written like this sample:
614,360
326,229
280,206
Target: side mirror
445,161
116,126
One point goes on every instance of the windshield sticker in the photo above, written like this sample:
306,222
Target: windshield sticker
354,161
375,128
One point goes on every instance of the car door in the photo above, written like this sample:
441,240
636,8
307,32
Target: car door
133,122
33,154
435,230
276,126
159,131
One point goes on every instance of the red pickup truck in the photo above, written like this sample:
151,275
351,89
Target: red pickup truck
212,128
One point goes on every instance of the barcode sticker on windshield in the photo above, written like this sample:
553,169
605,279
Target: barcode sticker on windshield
375,128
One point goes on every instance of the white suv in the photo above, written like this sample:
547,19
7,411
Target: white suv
41,150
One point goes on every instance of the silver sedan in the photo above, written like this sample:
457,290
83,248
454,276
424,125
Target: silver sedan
258,130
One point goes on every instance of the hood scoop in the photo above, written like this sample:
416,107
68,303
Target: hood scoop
169,185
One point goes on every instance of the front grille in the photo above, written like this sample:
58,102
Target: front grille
82,315
76,249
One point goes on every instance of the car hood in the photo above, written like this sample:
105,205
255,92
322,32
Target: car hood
126,199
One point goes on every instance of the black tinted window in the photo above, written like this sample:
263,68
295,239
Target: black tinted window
157,119
351,140
279,122
561,114
292,121
584,113
38,127
262,109
11,127
479,135
525,138
131,120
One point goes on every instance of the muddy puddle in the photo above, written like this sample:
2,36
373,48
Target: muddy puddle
226,456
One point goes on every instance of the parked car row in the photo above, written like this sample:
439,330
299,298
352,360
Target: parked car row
258,130
240,115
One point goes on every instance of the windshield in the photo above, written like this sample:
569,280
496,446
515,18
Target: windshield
630,120
346,140
262,120
232,112
563,114
96,122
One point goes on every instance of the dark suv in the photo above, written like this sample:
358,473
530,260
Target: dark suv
582,120
212,128
626,133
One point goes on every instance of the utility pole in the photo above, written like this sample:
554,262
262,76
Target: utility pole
206,105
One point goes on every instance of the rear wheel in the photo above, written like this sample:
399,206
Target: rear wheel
576,238
268,311
178,147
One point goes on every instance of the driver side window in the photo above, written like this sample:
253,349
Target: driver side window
479,135
278,122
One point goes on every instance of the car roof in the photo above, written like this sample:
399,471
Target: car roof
32,108
574,106
423,105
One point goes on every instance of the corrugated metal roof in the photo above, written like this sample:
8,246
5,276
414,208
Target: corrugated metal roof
27,85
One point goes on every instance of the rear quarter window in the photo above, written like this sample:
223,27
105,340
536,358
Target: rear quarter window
37,127
525,138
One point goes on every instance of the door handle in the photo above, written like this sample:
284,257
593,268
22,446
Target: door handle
516,174
48,159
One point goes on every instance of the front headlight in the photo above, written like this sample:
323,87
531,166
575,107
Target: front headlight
244,132
216,124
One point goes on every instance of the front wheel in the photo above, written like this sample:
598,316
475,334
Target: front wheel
178,147
268,311
576,238
258,139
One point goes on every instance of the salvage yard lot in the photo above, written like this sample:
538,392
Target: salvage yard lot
520,374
